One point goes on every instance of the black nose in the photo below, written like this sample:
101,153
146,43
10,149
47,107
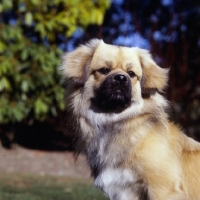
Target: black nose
120,78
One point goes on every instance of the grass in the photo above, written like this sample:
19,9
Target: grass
15,186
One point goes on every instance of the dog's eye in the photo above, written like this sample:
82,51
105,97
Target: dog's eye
104,70
131,74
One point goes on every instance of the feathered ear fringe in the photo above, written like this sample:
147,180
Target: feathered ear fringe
75,64
154,78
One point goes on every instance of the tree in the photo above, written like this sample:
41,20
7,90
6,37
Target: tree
31,33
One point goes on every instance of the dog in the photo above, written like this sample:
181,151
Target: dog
119,117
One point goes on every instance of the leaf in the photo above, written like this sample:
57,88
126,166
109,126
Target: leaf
99,17
2,47
40,107
5,84
28,18
50,25
7,5
24,54
1,10
22,7
35,2
61,105
18,115
40,28
53,111
25,86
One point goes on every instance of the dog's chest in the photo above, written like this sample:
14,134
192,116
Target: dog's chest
107,156
105,151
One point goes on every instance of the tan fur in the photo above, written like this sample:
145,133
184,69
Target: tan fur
139,144
155,77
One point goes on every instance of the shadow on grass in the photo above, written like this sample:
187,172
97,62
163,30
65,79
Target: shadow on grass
15,186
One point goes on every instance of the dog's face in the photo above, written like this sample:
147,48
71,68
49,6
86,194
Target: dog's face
111,79
116,78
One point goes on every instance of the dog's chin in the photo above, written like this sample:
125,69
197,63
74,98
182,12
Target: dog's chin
115,102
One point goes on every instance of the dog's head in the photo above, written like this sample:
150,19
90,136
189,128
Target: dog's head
110,79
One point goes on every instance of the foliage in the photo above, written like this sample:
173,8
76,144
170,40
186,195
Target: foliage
30,34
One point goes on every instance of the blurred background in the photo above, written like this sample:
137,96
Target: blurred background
34,34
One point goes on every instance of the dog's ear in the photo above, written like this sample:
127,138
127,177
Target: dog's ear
75,64
154,78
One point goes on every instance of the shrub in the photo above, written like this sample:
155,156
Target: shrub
30,32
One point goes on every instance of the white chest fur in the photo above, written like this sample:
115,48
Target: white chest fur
120,184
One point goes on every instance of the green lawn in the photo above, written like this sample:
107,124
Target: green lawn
31,187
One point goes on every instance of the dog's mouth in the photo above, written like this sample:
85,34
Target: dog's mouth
114,95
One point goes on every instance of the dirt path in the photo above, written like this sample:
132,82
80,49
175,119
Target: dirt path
23,160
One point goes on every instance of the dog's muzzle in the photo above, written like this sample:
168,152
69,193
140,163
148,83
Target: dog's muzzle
114,94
